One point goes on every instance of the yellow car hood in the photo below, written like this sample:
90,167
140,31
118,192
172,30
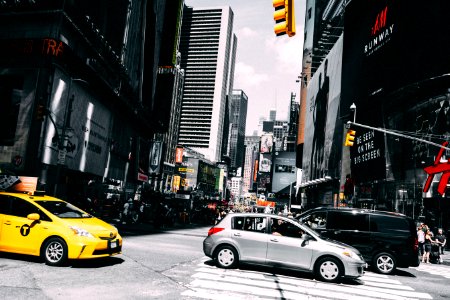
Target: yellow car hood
94,226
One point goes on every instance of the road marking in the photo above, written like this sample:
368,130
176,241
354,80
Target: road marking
210,282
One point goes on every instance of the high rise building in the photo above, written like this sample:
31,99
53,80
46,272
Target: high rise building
207,56
239,102
272,115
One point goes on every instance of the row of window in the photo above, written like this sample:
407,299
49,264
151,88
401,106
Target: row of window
259,224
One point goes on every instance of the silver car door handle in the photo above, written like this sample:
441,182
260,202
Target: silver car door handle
237,234
274,240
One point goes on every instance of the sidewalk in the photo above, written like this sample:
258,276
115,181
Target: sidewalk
446,258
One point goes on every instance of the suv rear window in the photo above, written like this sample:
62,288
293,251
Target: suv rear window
388,224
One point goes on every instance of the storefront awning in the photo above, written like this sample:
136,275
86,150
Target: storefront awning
315,182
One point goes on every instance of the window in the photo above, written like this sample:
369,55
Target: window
284,228
388,224
257,224
348,221
22,208
238,223
315,220
5,204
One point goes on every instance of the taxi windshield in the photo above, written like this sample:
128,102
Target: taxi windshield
63,209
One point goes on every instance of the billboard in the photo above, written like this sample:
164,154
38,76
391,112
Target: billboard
284,171
265,164
322,149
266,143
87,123
179,154
155,157
391,44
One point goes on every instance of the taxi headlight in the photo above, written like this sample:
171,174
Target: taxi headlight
80,232
351,254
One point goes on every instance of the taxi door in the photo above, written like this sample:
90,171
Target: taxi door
19,234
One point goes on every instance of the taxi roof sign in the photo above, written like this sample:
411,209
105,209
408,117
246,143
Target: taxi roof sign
18,183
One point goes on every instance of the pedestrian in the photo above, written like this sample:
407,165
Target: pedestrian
421,239
427,247
441,240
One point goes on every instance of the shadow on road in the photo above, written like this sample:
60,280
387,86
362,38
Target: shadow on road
148,228
83,263
403,273
21,257
95,263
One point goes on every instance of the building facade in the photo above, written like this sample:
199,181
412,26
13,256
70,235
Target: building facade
207,56
80,104
367,84
238,114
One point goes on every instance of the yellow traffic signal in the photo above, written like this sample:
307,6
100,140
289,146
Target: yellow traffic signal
284,17
350,138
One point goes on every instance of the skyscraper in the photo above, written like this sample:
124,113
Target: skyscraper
207,56
238,118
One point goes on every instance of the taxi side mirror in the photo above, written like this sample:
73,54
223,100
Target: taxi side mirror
34,217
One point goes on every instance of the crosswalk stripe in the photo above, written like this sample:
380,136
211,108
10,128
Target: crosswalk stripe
261,284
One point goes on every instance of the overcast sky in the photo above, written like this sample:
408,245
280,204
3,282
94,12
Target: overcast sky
267,66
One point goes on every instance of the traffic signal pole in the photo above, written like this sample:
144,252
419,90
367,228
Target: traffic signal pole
350,123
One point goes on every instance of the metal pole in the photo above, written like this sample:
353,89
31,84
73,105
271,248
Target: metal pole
290,196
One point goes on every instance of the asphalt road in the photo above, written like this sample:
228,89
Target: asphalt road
170,264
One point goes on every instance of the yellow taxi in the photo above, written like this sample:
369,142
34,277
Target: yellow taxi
41,225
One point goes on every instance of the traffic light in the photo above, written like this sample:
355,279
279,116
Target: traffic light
350,138
284,17
40,112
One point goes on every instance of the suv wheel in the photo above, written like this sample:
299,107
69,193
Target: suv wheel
226,257
328,269
384,263
55,252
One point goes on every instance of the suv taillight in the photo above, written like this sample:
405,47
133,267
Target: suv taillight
416,244
215,230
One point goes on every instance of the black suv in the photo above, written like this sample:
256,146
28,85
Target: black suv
386,240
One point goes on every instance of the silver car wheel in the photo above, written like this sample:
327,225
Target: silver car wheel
329,270
226,257
385,263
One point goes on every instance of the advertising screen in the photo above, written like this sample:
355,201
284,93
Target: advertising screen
284,171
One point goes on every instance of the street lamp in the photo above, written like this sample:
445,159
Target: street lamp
353,108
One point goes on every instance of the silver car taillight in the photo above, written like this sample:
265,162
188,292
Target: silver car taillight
213,230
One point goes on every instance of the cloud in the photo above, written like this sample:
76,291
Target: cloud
246,76
286,52
246,32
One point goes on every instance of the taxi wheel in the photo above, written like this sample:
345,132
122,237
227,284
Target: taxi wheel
328,269
54,252
226,257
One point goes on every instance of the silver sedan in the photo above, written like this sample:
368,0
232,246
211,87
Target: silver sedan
277,241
